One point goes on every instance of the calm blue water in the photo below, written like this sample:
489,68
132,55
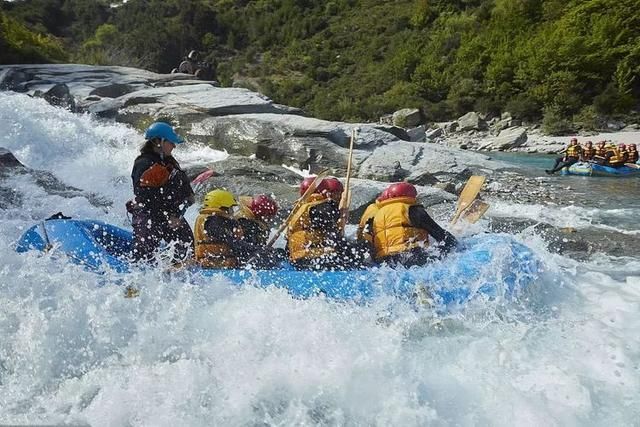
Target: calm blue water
609,201
535,163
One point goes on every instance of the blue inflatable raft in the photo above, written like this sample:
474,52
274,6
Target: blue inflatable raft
488,265
594,169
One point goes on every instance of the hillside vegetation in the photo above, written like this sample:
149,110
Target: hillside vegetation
566,62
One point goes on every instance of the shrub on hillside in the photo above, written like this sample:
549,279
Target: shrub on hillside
523,107
588,119
554,121
20,45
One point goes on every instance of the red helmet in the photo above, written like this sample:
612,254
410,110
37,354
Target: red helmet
306,183
383,195
330,185
574,139
400,189
263,206
632,146
622,146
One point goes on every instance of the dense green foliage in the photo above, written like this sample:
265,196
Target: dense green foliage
560,61
21,45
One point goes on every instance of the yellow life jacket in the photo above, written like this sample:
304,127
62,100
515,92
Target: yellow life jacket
588,153
303,241
617,157
392,229
208,252
369,213
633,156
624,155
573,151
600,152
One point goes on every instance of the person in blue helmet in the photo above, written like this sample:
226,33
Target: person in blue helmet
162,194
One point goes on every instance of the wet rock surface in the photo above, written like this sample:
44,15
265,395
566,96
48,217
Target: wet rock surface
11,168
238,120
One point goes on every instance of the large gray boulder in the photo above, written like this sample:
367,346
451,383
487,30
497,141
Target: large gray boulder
132,95
507,139
471,121
417,134
407,118
202,98
295,140
442,162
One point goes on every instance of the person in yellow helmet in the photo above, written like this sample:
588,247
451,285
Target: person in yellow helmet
216,231
400,229
220,239
571,155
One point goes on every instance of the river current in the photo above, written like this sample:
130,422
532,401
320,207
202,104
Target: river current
73,350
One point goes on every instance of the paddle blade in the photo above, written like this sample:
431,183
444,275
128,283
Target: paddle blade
468,195
203,177
476,210
244,211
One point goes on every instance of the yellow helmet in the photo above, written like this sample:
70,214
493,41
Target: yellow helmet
217,199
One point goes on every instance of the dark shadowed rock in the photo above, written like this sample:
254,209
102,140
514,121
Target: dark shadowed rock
111,91
8,160
60,96
9,197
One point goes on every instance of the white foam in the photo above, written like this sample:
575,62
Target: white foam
74,350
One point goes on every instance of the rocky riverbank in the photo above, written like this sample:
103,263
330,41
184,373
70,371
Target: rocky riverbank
475,131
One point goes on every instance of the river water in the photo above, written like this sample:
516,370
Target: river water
73,350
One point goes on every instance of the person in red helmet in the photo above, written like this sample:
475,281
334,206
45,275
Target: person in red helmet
401,227
633,153
315,240
624,154
571,155
588,152
254,216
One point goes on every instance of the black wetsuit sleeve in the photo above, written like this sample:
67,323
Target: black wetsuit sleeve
139,167
252,233
421,219
325,216
221,229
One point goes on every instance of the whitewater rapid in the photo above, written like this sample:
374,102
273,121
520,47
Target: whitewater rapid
74,350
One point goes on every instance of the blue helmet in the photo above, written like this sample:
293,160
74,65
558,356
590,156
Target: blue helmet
163,130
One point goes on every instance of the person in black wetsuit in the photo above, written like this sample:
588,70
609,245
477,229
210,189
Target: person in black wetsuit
162,194
254,215
315,240
571,155
220,237
399,229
